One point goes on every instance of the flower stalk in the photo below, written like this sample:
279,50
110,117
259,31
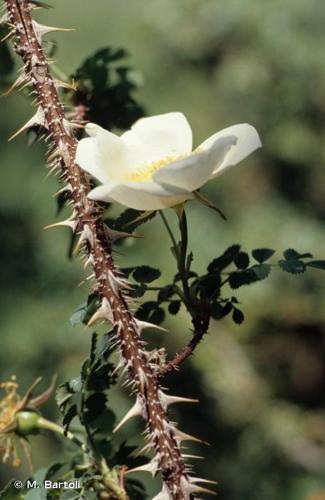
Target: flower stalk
199,310
43,423
95,238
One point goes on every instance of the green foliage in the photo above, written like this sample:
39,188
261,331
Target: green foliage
208,288
241,260
262,254
151,312
130,219
105,87
238,316
85,397
85,400
227,258
294,262
7,64
86,310
146,274
174,307
249,276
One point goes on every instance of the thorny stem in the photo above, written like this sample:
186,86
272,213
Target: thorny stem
96,238
200,321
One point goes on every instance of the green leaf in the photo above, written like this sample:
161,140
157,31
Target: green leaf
93,347
33,134
63,395
209,286
69,416
38,493
7,64
136,490
100,377
127,271
225,259
105,446
293,266
104,423
71,495
238,316
137,291
150,311
241,260
166,293
85,370
105,87
61,200
130,219
146,274
78,316
219,311
317,264
11,493
124,456
174,307
85,311
249,276
262,254
54,469
262,271
104,345
95,405
291,254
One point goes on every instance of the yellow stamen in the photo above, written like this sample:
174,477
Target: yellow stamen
146,172
9,404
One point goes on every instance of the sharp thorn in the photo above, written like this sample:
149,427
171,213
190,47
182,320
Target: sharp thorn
135,411
37,119
20,80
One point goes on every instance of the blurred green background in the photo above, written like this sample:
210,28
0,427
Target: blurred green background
261,385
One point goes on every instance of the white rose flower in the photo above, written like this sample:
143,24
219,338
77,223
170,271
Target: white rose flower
153,165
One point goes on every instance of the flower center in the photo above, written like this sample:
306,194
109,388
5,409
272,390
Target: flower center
146,172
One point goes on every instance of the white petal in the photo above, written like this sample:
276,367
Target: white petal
247,141
113,154
157,137
104,155
92,129
88,159
195,170
140,195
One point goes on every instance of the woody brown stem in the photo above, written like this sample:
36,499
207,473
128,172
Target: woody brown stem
98,245
200,322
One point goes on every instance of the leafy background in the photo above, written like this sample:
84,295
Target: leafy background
261,385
